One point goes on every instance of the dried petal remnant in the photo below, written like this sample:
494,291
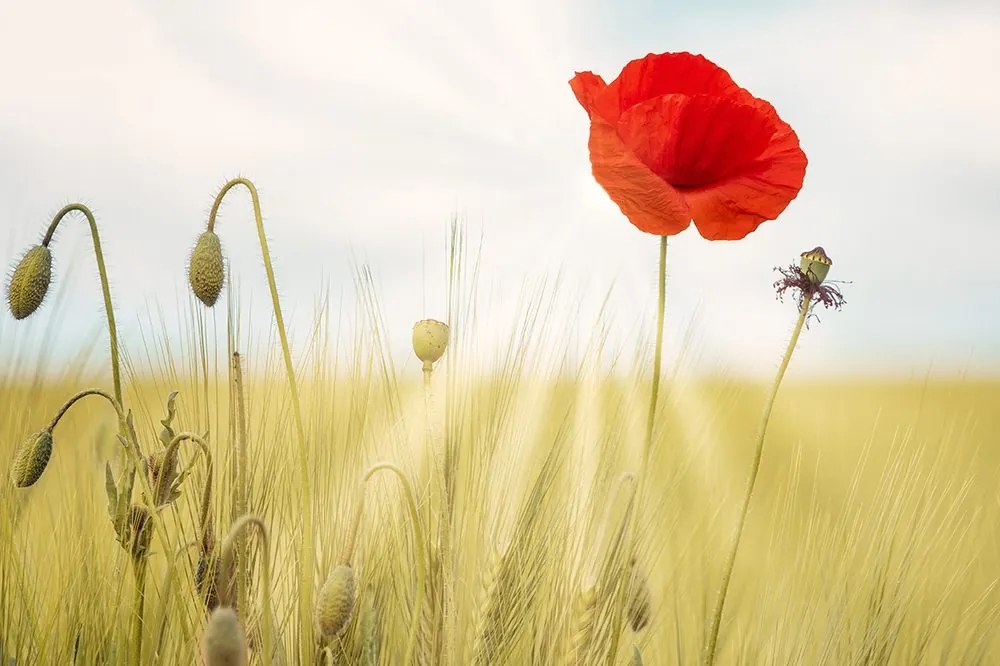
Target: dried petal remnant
30,282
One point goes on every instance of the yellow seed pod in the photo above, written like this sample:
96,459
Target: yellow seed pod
30,282
224,643
640,601
31,459
815,264
207,270
430,339
335,603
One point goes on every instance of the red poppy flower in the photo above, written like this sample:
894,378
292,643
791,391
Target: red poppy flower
674,139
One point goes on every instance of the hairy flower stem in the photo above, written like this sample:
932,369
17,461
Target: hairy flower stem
226,566
240,503
713,633
102,271
306,553
418,547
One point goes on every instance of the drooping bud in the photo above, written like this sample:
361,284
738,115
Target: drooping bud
335,603
31,459
207,270
815,264
224,642
430,339
30,282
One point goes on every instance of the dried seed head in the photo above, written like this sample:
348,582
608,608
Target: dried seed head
224,643
640,601
31,459
30,281
335,603
207,270
815,264
430,339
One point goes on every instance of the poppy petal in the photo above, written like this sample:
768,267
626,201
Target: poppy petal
733,208
693,142
648,201
587,86
666,74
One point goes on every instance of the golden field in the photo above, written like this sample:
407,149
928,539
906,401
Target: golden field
873,537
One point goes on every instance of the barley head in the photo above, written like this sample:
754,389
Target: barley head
224,643
430,339
335,603
640,601
31,459
207,270
30,281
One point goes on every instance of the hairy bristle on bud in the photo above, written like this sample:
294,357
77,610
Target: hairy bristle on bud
31,459
336,602
224,643
207,270
30,282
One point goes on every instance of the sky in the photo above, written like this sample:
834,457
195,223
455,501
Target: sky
369,126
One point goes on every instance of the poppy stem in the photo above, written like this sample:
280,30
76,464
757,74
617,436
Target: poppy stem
658,354
307,549
713,634
105,288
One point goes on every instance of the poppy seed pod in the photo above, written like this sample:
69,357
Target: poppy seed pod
224,643
336,602
430,339
30,282
207,270
31,459
815,264
640,601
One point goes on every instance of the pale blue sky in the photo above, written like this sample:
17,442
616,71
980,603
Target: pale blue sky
368,125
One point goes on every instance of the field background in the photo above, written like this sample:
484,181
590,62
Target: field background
874,536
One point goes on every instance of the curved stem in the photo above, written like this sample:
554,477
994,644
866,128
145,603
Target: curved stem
81,395
228,554
306,555
713,634
418,535
102,271
171,451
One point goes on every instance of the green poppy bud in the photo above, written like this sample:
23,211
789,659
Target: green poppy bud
30,282
207,270
31,459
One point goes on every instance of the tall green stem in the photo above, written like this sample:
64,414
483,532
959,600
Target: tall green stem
306,554
102,271
418,535
657,356
713,633
647,444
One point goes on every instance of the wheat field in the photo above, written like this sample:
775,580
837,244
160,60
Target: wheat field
512,526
